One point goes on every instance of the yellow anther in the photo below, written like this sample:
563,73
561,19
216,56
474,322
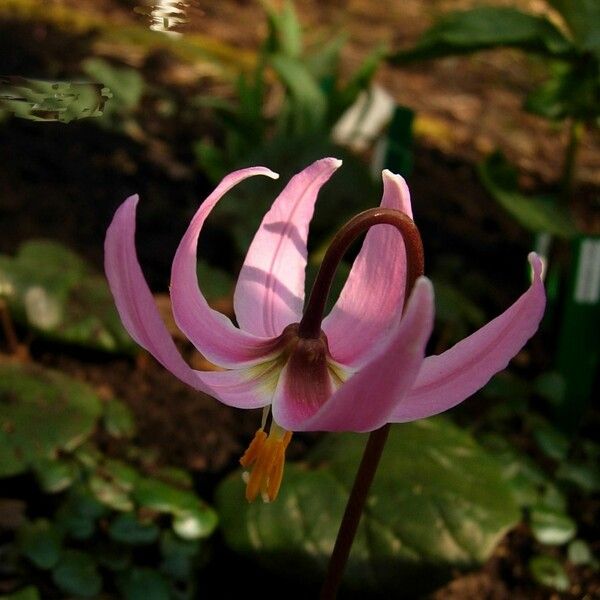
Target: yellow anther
266,456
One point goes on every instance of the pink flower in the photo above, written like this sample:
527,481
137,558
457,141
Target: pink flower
366,369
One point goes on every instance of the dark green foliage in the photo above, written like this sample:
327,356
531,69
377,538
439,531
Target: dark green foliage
535,213
488,27
58,295
439,502
98,511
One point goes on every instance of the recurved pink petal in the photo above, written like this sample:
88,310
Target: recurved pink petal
366,400
211,332
447,379
270,290
141,318
374,292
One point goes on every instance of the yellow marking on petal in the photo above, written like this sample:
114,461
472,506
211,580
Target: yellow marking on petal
266,456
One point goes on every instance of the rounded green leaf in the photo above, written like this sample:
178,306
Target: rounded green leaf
76,574
192,518
552,442
42,413
180,557
110,493
41,542
79,512
128,529
144,584
55,475
28,593
549,572
53,291
552,527
118,419
438,502
579,553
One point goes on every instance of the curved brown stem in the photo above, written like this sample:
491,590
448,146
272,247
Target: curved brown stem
310,327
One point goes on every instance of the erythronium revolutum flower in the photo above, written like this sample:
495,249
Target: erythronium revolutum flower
366,365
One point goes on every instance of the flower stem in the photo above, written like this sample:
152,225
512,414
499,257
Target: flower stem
354,507
310,327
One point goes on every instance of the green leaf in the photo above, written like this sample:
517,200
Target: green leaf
144,584
180,557
534,213
551,441
126,85
552,527
76,574
579,553
529,485
549,572
583,475
55,476
438,503
79,512
487,27
54,292
285,32
111,493
323,62
42,413
41,542
571,91
115,557
126,528
28,593
583,19
192,518
308,103
118,419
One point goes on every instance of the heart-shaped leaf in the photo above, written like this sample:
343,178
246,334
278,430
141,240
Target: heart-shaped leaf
53,291
43,412
438,502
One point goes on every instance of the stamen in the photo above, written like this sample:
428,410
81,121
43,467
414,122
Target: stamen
254,449
266,456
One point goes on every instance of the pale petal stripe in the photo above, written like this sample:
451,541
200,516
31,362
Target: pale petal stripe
270,290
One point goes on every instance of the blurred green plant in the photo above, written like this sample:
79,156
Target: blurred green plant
55,293
570,92
314,95
100,519
543,493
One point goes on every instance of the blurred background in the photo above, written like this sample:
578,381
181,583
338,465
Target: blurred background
117,481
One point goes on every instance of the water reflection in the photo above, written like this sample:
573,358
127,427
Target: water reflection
40,100
164,15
